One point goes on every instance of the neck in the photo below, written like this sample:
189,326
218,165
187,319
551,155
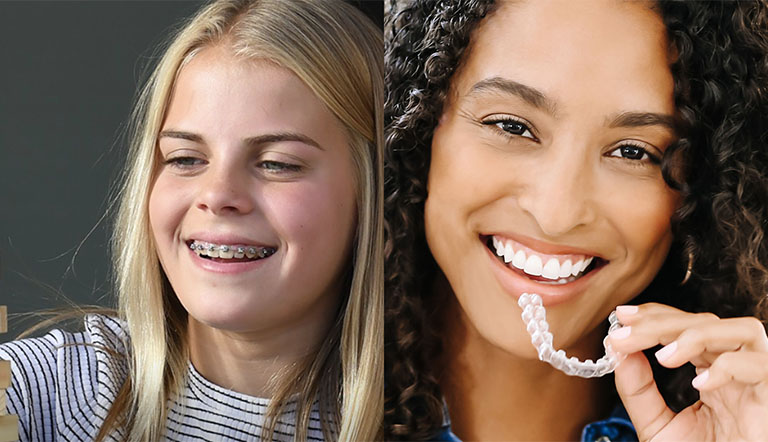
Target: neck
495,395
251,362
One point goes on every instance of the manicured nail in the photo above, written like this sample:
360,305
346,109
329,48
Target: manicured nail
626,309
621,333
700,380
666,351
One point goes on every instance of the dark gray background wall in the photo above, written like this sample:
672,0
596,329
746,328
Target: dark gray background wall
69,71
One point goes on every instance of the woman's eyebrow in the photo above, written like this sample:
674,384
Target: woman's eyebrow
251,141
503,85
641,119
540,100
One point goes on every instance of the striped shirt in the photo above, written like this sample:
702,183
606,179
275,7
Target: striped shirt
62,391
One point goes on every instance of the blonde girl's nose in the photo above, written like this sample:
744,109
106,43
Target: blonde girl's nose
225,190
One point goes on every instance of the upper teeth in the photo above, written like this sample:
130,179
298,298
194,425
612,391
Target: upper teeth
549,266
230,251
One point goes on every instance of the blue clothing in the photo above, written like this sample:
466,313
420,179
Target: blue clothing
617,427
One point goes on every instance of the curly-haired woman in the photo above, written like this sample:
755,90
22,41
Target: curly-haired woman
598,154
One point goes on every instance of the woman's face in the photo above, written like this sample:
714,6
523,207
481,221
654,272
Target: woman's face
548,151
251,159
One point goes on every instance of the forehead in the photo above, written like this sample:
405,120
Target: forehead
218,94
574,51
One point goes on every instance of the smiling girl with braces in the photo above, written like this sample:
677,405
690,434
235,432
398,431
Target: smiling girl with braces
247,246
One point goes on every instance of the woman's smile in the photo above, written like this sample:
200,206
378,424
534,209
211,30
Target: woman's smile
542,182
520,269
559,265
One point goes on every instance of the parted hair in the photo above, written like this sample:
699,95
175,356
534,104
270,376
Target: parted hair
719,165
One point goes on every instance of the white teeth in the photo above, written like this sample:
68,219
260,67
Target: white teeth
533,266
497,245
577,267
213,251
240,252
559,281
251,252
508,253
226,252
551,269
519,259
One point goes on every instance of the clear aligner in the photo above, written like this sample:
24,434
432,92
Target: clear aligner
535,318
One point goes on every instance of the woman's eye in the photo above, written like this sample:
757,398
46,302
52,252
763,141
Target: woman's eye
635,153
278,166
511,127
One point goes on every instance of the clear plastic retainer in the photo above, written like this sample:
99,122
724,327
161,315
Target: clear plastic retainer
535,318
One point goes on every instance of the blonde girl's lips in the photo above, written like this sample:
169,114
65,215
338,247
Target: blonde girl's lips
240,252
515,282
231,265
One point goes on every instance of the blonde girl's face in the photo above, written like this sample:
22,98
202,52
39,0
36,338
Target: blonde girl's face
548,153
253,209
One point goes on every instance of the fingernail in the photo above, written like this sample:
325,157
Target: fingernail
626,309
621,333
666,351
700,380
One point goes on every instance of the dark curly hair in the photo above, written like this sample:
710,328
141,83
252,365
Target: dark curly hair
719,165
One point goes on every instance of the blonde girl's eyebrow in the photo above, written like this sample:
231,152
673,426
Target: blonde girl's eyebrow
281,137
181,135
251,141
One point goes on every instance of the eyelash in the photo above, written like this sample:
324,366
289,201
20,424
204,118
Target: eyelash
522,126
182,162
270,166
647,156
279,166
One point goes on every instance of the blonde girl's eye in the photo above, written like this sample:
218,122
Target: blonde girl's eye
184,162
635,152
279,166
510,126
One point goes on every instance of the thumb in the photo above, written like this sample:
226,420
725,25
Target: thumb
640,395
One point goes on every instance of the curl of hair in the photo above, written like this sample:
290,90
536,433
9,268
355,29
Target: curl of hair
426,44
719,165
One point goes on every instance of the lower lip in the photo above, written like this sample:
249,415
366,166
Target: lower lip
551,294
226,267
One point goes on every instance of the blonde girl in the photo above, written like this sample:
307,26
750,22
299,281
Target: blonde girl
247,247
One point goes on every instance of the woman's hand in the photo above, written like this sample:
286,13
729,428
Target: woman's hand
731,360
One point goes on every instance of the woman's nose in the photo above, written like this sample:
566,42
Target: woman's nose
560,194
226,189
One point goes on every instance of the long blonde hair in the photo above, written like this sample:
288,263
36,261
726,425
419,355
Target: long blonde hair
338,53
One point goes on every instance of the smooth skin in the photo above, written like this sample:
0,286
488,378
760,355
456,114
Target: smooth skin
535,143
731,360
248,151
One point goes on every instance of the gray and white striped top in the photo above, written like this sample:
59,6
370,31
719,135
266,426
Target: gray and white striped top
62,391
